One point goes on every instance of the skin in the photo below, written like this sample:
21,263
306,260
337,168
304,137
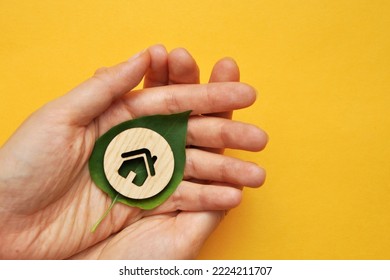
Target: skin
48,202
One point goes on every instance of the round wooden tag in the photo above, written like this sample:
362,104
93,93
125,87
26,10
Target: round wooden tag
138,163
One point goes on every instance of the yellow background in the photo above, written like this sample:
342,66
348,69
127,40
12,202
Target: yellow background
322,71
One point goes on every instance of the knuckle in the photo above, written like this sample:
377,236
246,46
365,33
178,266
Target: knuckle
176,199
224,172
102,71
211,95
171,102
190,169
225,135
190,136
103,76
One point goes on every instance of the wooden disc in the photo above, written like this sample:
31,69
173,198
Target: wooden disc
151,152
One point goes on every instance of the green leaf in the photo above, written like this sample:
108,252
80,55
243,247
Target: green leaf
95,226
172,127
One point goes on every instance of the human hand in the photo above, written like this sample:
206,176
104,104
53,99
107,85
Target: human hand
48,201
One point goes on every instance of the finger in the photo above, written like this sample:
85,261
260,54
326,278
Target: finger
225,70
214,132
191,196
157,74
182,67
201,99
203,165
91,98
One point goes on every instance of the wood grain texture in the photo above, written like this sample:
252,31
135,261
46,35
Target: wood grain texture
139,139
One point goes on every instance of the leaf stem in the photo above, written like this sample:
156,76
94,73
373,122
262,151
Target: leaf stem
95,226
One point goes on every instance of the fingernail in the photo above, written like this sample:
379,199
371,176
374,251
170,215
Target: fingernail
134,57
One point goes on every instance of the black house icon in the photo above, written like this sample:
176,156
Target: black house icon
138,163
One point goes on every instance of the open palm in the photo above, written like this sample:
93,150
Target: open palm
49,202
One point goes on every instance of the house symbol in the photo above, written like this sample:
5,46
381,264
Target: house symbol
137,166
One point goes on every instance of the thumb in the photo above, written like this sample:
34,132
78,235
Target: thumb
91,98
